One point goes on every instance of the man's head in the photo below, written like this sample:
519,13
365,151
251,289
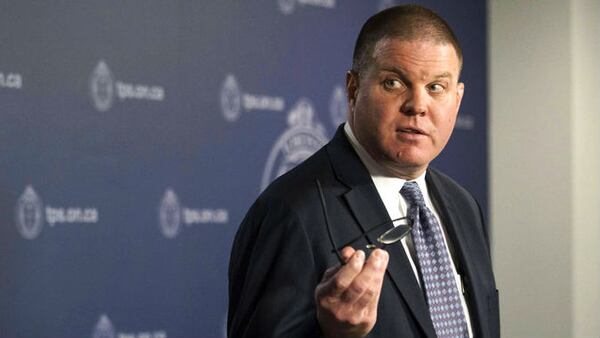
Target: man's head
403,90
405,22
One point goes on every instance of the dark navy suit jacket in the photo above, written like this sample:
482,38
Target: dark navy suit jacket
282,249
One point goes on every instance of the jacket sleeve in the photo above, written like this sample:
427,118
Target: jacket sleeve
272,276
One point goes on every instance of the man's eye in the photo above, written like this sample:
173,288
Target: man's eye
436,88
392,84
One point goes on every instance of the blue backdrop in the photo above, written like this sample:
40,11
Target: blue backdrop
135,134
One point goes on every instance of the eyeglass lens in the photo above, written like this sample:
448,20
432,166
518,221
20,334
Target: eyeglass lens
391,236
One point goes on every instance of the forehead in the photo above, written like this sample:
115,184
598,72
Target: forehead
420,55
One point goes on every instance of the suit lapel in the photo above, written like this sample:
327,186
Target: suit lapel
368,209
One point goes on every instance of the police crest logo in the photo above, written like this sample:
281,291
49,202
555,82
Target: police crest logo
169,214
302,139
29,216
102,87
338,106
231,99
104,328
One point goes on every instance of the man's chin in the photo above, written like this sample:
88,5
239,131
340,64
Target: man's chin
408,158
405,167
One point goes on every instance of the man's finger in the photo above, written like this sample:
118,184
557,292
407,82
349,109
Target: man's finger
330,272
366,286
347,253
339,282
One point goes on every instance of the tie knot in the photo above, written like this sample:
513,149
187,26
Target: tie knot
411,192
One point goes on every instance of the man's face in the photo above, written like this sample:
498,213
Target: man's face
404,104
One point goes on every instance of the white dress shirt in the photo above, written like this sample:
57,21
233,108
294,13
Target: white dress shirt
388,188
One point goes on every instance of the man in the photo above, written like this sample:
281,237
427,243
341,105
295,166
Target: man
285,277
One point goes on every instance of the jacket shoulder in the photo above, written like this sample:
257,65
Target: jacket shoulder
296,185
445,183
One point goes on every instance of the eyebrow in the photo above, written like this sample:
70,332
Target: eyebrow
444,75
402,73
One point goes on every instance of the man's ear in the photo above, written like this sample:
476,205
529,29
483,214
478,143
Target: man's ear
460,91
351,88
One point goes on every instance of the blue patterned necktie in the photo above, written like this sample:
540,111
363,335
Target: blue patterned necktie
441,291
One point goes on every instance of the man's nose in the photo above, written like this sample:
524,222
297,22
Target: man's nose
416,103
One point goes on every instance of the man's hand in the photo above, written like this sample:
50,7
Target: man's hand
348,295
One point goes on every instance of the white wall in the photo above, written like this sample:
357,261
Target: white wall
585,34
545,151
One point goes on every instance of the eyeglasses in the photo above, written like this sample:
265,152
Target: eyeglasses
391,236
